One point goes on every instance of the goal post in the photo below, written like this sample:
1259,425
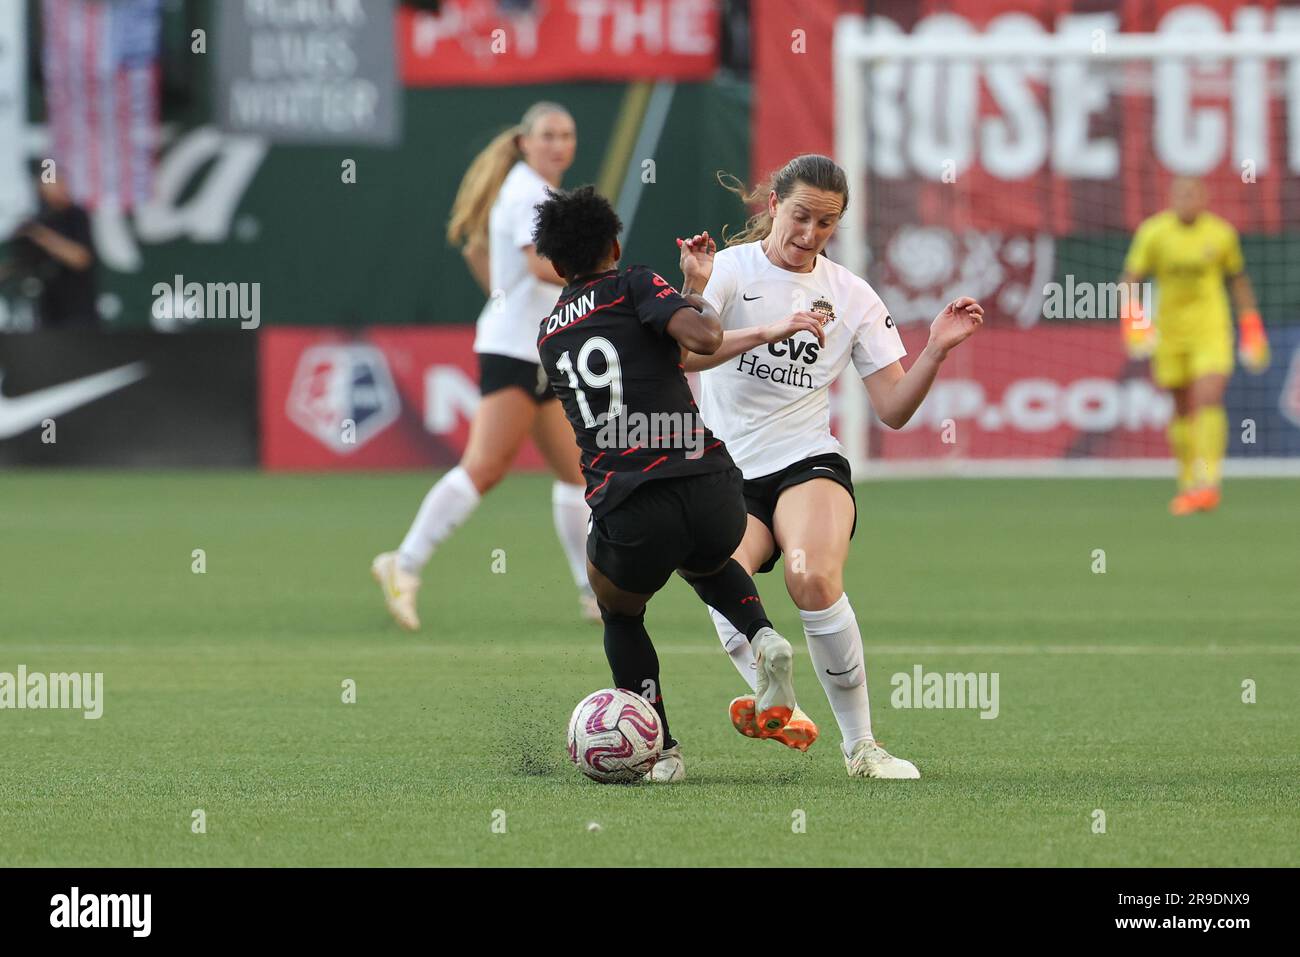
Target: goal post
1013,163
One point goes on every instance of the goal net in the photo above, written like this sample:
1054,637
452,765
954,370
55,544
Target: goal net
1013,164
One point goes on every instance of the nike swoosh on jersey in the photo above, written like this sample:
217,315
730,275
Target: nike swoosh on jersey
17,415
749,298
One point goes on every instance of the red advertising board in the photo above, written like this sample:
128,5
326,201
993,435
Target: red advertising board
470,42
402,398
387,398
1047,392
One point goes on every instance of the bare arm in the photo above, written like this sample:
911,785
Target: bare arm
734,342
896,395
697,327
542,268
476,258
67,251
739,341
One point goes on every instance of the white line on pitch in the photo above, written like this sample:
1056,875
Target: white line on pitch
262,652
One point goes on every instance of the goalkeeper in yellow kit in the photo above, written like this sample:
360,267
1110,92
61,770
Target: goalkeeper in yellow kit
1191,254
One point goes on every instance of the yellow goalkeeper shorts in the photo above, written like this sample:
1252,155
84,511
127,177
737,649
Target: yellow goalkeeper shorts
1180,362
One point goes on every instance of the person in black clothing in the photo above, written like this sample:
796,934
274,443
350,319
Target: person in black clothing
664,493
56,248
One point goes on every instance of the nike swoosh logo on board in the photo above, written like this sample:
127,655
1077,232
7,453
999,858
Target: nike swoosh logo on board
24,412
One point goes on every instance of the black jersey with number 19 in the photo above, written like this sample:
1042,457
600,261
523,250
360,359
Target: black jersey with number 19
618,373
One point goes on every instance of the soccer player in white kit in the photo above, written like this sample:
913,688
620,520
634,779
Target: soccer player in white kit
766,394
492,219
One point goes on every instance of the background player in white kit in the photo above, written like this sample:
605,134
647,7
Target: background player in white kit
768,400
492,218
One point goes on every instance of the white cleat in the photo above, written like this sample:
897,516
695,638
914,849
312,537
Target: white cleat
774,666
590,608
400,589
870,760
669,769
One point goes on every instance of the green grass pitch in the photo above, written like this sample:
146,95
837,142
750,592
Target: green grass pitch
1119,691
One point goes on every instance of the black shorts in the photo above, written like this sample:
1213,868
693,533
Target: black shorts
761,493
693,523
500,372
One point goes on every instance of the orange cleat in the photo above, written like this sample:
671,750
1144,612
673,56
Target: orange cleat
799,732
1197,500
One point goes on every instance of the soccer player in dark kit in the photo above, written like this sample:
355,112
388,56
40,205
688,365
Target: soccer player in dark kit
664,493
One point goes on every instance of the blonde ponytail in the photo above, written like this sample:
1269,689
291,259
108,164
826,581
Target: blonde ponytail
468,225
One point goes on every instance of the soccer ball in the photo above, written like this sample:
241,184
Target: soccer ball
614,736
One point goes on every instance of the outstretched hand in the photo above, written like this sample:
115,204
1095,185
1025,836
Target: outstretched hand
957,323
697,260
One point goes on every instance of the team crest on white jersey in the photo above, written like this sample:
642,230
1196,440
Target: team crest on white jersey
823,305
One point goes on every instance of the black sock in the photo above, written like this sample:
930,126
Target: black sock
633,661
732,592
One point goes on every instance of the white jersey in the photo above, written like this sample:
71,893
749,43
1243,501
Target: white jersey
771,405
508,324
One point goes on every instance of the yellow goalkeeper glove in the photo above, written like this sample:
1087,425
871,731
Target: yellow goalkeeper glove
1252,344
1139,333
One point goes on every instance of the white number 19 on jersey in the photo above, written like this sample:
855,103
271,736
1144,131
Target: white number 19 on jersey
611,378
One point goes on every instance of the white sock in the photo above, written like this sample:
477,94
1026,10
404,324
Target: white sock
445,507
737,646
570,511
835,645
